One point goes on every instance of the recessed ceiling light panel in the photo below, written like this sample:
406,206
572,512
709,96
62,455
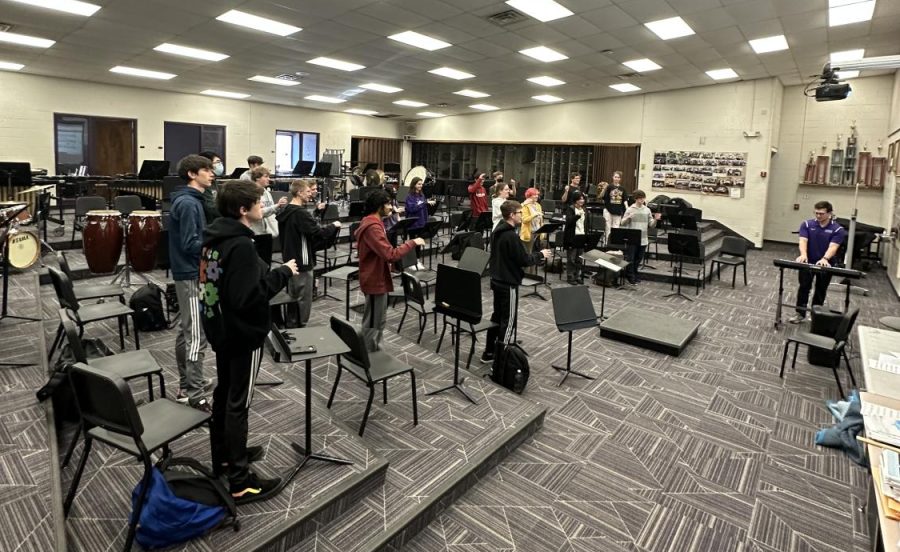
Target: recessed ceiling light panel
68,6
844,75
642,65
225,94
361,111
722,74
452,73
273,80
847,55
381,88
430,114
542,10
547,98
546,81
471,93
336,64
186,51
10,66
325,99
542,53
769,44
244,19
624,87
410,103
484,107
844,12
420,41
667,29
147,74
25,40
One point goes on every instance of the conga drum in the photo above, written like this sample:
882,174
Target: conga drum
144,229
102,239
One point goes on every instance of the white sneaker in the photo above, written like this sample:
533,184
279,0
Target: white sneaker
420,266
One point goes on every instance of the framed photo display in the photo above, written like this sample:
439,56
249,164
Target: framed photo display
704,172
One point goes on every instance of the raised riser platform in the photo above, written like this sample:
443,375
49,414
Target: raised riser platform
654,331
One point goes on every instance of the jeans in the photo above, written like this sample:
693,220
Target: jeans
574,263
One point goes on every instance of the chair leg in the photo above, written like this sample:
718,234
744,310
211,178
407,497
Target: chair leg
57,341
403,318
362,426
745,272
337,380
837,378
733,275
137,337
443,331
72,445
787,344
794,362
162,386
150,386
847,361
73,487
121,335
384,389
412,378
423,323
142,497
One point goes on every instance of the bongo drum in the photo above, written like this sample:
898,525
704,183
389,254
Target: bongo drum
102,239
23,249
144,230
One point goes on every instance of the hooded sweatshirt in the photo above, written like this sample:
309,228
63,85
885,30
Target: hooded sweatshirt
301,235
508,256
376,256
235,288
477,197
186,223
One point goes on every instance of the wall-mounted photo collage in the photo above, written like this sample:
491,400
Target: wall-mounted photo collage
705,172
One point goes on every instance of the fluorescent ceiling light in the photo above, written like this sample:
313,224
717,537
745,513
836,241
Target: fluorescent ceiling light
624,87
68,6
666,29
847,55
451,73
336,64
542,53
547,98
251,21
542,10
844,12
471,93
769,44
135,72
844,75
190,52
410,103
273,80
484,107
642,65
430,114
25,40
381,88
224,94
325,99
10,66
546,81
721,74
361,111
420,41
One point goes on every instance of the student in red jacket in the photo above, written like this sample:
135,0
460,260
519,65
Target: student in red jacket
478,197
375,258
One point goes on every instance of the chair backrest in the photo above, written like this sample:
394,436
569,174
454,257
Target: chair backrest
408,260
71,329
474,259
64,264
125,204
548,206
846,325
105,400
331,213
402,192
734,246
412,289
352,337
65,293
88,203
277,195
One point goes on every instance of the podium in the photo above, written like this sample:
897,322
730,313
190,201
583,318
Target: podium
613,263
457,295
572,310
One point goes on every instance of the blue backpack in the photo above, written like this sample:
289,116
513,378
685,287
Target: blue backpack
181,505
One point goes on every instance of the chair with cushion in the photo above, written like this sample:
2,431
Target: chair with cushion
370,367
85,314
733,253
836,345
90,291
82,206
109,415
415,299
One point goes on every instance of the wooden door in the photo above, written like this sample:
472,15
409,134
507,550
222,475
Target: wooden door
618,158
112,149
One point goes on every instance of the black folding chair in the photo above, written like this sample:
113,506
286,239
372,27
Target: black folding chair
415,299
836,345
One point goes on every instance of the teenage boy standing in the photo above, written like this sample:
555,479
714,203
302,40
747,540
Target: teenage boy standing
237,286
638,216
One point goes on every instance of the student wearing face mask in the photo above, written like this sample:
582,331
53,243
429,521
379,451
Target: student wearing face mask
209,196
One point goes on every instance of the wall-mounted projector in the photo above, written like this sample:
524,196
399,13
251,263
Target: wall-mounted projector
831,89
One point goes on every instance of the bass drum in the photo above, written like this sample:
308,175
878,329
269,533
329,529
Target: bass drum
23,249
144,230
102,239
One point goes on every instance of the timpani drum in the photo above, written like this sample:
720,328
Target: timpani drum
23,249
144,230
102,239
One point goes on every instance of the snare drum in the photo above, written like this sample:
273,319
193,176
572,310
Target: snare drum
23,249
102,239
9,207
144,230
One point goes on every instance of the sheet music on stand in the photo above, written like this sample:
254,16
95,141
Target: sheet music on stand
615,263
886,362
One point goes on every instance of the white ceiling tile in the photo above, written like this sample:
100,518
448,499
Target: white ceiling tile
609,17
752,10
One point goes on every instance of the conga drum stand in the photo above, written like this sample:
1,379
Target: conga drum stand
125,272
4,225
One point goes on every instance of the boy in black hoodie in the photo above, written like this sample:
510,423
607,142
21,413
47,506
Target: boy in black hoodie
508,262
236,286
300,236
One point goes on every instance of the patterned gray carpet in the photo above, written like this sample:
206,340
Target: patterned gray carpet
709,451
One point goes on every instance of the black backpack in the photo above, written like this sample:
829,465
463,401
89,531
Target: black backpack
147,305
511,368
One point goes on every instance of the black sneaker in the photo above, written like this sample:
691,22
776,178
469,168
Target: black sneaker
255,488
202,404
487,359
254,454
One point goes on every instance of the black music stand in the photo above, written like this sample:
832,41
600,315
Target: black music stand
429,232
681,245
153,170
457,294
357,210
547,228
5,223
15,174
572,310
303,168
484,223
402,226
605,261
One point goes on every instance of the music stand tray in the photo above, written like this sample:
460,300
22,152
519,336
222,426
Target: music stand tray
457,294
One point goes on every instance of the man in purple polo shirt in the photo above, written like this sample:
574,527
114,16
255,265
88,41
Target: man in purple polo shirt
820,239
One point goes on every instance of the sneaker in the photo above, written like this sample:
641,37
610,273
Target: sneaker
797,318
202,404
254,454
487,359
255,488
206,386
182,396
420,266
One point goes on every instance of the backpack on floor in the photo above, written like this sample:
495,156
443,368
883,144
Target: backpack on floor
182,504
510,368
147,305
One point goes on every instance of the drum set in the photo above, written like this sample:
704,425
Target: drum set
21,247
105,234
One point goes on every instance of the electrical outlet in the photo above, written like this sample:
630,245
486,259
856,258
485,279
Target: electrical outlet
796,206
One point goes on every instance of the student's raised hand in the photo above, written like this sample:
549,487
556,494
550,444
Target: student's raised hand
320,206
292,264
419,241
546,253
337,223
282,202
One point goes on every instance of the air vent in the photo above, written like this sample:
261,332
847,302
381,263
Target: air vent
287,77
386,115
5,27
442,104
506,18
628,76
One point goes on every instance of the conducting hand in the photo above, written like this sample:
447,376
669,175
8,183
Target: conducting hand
802,259
657,216
419,241
546,253
292,264
823,262
320,206
337,223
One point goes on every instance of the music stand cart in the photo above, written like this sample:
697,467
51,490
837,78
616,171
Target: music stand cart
572,310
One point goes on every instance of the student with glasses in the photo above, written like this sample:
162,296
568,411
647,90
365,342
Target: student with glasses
820,239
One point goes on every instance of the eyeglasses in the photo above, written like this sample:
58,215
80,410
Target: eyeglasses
821,213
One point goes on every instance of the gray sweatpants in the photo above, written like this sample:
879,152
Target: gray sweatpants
190,342
300,287
373,320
